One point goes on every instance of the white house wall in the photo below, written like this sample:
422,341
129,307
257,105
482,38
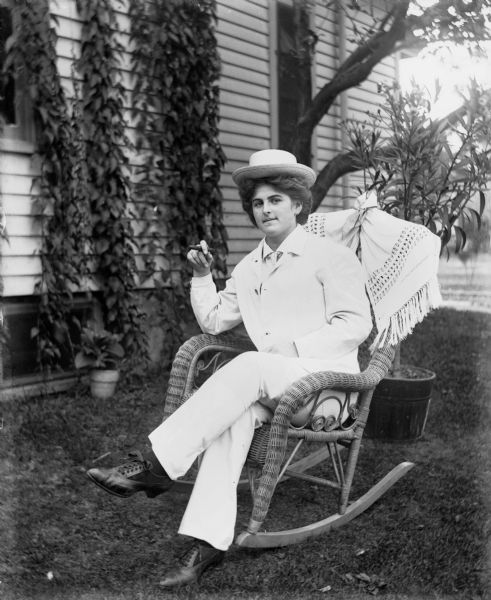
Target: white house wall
20,266
247,91
245,104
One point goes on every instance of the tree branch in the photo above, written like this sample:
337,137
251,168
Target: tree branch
395,31
354,70
340,165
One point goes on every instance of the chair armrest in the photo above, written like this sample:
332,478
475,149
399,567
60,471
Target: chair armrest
290,402
187,359
368,379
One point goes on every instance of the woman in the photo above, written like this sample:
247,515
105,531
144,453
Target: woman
302,301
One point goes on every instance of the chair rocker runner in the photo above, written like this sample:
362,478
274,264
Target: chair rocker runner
402,287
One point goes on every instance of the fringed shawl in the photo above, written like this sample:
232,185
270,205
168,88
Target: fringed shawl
399,258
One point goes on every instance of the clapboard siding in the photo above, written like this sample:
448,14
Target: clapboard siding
230,71
20,245
246,82
236,31
248,142
16,204
240,60
244,115
245,89
244,46
243,127
21,266
252,15
258,49
13,183
17,285
15,164
329,138
18,225
239,219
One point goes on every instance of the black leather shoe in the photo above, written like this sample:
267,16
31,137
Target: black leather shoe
133,476
192,564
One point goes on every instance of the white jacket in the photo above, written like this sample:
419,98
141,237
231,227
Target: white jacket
315,296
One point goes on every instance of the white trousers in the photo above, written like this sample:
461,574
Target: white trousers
219,421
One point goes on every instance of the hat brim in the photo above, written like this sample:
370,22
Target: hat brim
262,171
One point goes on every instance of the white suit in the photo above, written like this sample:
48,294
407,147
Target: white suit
313,296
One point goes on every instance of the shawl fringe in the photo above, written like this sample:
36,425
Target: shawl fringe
402,322
400,260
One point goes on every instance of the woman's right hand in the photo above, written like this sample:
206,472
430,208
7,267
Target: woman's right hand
201,260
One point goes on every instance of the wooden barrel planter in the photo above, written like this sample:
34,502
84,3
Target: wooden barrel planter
400,405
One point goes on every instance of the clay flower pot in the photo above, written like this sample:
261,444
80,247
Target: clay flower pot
103,382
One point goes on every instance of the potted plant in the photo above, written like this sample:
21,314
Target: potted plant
429,172
101,352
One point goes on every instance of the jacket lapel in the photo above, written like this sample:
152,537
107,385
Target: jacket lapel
256,257
294,247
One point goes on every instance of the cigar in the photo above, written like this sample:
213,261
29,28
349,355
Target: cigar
199,248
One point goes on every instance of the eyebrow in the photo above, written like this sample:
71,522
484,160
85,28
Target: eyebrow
267,197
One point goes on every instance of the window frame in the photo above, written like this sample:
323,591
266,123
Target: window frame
20,136
275,75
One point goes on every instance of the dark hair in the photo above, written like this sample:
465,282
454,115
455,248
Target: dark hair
294,187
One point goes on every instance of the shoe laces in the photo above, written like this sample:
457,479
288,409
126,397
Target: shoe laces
134,465
197,553
188,557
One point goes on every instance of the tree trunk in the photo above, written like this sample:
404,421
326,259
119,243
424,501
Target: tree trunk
340,165
354,70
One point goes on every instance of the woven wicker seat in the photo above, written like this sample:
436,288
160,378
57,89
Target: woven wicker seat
203,354
200,356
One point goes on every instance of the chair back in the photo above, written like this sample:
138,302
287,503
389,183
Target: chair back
399,260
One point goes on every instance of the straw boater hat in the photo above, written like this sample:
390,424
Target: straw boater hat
270,163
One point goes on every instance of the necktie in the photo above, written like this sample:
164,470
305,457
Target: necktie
273,258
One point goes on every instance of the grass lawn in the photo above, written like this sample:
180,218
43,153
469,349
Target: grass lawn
427,538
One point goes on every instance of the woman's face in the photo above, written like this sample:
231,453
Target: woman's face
275,213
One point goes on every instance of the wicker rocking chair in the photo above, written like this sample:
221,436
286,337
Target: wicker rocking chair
338,442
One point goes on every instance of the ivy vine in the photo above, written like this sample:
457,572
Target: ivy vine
84,190
175,111
108,173
60,202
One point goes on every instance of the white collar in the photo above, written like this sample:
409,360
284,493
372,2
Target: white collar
293,244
